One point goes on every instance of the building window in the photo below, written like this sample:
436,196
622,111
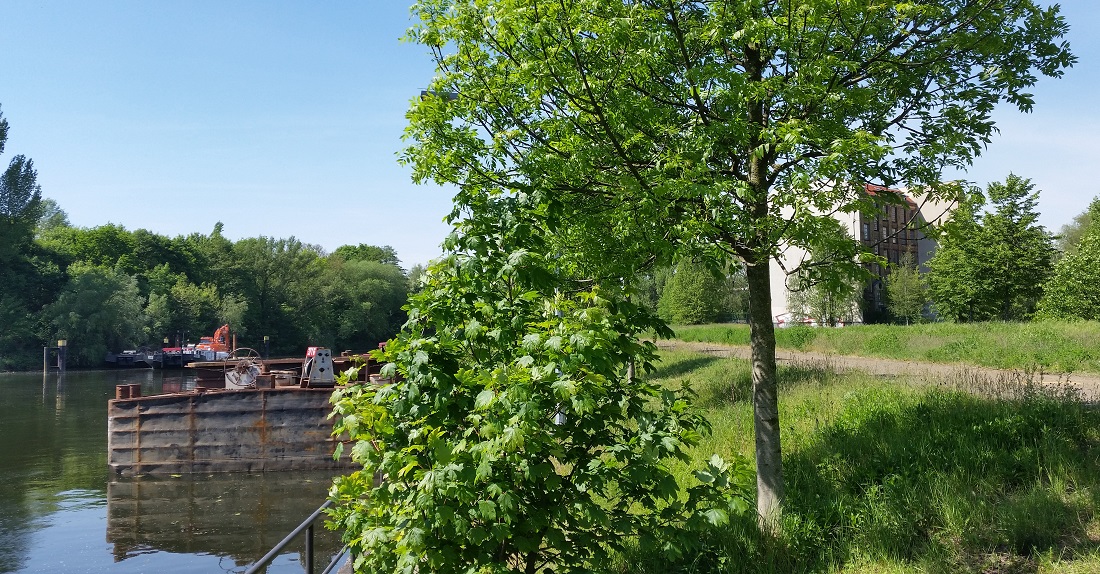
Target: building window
866,231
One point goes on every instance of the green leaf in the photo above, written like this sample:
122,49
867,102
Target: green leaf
484,399
487,509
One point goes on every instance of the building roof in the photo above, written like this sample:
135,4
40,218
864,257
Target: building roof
874,190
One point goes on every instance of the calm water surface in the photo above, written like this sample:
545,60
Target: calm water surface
61,511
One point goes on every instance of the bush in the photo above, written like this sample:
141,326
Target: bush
514,437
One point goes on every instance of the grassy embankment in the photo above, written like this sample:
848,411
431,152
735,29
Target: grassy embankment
1048,345
970,475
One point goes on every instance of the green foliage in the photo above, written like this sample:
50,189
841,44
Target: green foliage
511,438
971,476
51,217
798,336
1073,291
99,310
20,199
825,288
691,293
362,304
363,252
995,268
191,285
635,131
1071,234
906,293
415,274
28,276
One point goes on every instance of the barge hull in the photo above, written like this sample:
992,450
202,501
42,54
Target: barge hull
240,431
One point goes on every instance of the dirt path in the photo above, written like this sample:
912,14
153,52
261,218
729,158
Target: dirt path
1087,384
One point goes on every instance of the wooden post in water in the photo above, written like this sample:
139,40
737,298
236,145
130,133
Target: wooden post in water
45,359
62,348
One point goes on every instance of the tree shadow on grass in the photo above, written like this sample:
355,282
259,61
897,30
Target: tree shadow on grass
677,367
951,480
940,481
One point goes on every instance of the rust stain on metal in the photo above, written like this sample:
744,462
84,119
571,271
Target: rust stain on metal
252,430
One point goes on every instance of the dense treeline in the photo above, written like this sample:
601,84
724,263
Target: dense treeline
107,288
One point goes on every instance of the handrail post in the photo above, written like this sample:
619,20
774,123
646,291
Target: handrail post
307,527
309,549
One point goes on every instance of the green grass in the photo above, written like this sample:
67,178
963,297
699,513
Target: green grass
971,475
1048,345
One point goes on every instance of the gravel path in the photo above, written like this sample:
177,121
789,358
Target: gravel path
1087,384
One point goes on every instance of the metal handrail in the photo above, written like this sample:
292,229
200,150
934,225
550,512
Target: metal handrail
307,527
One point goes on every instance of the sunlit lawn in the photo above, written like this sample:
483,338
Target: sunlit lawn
1048,345
898,476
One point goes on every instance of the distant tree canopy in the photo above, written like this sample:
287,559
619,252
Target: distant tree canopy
20,200
1071,234
28,275
1073,291
992,266
691,292
363,252
906,293
107,288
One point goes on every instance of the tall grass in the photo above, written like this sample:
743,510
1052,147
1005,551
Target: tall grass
968,475
1048,345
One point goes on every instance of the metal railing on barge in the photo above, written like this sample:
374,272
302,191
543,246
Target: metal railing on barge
307,527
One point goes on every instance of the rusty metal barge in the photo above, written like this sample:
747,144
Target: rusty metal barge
242,416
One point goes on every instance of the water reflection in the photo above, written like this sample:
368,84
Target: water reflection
59,514
239,517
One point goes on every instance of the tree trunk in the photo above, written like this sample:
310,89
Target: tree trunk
765,400
765,404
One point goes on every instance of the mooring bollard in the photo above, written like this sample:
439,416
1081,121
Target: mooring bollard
122,392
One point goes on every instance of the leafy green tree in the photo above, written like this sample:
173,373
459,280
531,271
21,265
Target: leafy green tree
363,252
364,301
20,199
1023,251
99,310
641,129
533,455
105,245
416,273
1073,291
1071,234
695,293
955,282
279,281
19,329
29,276
993,268
50,217
906,293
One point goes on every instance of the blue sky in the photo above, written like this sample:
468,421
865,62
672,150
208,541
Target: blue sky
285,118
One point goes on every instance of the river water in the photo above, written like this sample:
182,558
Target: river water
61,511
